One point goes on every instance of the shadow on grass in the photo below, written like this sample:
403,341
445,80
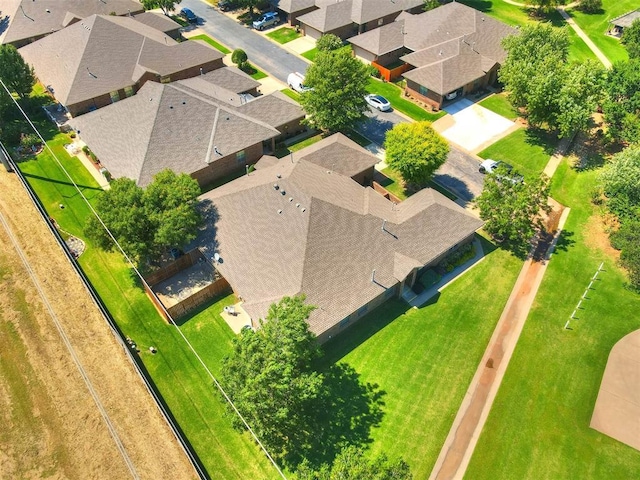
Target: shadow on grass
364,329
60,182
542,138
345,416
481,5
565,242
197,311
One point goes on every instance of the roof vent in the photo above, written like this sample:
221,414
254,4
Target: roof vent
280,211
291,199
184,103
278,176
283,192
304,209
297,205
276,186
171,107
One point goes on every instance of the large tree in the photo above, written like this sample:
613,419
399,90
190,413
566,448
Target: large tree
622,105
352,464
270,379
512,208
620,181
415,150
16,74
627,240
147,222
339,82
631,39
540,81
167,6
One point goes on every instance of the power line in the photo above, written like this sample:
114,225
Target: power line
144,282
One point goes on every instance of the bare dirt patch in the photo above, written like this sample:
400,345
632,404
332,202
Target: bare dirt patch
596,236
50,426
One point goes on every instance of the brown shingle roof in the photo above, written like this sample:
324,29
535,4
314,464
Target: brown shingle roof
30,18
292,6
101,54
330,17
166,126
379,41
323,237
158,21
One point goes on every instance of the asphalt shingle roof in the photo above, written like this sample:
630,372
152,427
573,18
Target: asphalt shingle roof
323,237
167,126
101,54
28,18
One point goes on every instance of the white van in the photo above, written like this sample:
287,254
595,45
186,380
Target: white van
296,82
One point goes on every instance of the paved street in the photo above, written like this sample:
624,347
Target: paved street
263,53
376,125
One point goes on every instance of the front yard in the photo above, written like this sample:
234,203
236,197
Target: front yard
284,35
395,95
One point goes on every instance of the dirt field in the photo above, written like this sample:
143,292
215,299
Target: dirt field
50,426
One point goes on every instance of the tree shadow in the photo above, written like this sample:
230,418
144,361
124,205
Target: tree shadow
60,182
455,185
542,138
374,128
565,241
481,5
345,415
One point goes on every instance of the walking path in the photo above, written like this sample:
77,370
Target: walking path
472,415
463,436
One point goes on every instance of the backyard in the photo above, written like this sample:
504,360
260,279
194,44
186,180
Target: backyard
538,427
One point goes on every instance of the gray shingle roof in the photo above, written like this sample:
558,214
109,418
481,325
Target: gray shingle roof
292,6
101,54
30,18
166,126
329,17
388,38
275,109
323,237
158,21
232,79
627,19
340,154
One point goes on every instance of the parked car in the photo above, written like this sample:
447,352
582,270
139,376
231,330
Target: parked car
296,82
225,5
451,95
490,166
378,102
188,15
266,20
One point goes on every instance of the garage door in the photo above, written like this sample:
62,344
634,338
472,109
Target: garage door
312,32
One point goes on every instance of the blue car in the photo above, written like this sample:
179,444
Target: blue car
188,15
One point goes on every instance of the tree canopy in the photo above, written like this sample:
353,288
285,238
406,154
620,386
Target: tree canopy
147,222
167,6
631,39
539,79
627,240
415,150
270,379
622,105
17,75
352,464
620,181
339,83
328,42
512,208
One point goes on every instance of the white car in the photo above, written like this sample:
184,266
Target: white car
378,102
296,82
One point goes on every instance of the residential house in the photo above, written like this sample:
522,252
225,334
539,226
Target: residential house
160,22
290,10
30,20
448,51
297,227
346,18
183,127
618,24
102,59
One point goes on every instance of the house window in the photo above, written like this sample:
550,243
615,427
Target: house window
423,90
115,96
128,91
165,79
241,156
363,310
380,21
344,322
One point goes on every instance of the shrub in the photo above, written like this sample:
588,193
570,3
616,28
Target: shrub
29,140
590,6
239,57
86,150
374,72
328,42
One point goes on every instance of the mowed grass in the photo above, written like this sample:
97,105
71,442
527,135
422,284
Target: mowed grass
596,26
310,54
499,103
424,359
206,38
527,151
182,381
284,35
538,427
394,94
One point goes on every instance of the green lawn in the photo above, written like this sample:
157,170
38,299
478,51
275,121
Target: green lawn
310,54
284,34
291,94
395,183
218,46
538,427
423,359
499,104
254,72
596,25
527,151
182,381
394,94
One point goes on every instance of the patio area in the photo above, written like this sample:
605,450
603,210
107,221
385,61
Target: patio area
185,284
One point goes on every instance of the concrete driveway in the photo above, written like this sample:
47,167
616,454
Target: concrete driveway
472,126
263,53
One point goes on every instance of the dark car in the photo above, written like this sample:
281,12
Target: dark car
188,15
225,5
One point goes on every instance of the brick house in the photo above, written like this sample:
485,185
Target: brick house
296,226
101,59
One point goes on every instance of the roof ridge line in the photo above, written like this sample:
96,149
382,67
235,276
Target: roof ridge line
213,132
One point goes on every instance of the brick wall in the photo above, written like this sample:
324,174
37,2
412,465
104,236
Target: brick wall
226,165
